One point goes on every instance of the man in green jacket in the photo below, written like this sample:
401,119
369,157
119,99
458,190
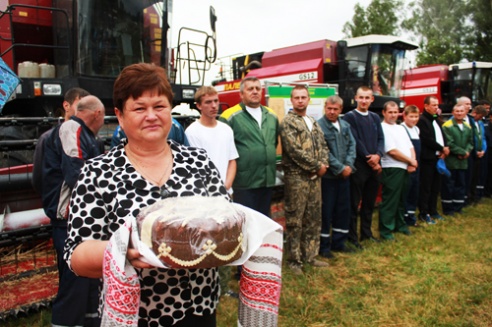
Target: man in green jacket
459,139
256,136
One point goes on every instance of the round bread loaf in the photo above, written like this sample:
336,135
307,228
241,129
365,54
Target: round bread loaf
193,231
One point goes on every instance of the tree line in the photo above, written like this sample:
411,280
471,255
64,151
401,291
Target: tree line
447,31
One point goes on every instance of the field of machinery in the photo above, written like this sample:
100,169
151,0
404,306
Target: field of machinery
52,46
448,83
376,61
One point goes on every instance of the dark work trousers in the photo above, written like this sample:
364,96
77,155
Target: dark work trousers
484,171
429,187
412,197
468,178
335,213
259,199
453,191
477,183
364,186
77,300
488,178
412,190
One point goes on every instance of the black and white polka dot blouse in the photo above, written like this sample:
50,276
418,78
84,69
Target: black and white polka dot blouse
109,189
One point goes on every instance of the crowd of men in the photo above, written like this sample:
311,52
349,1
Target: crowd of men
334,169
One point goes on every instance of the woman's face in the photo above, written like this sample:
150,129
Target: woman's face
146,119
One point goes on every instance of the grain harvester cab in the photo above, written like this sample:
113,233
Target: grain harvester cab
448,83
473,80
376,61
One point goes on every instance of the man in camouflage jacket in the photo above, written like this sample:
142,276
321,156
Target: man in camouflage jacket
304,159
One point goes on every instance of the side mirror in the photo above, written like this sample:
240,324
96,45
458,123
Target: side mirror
455,69
213,18
341,50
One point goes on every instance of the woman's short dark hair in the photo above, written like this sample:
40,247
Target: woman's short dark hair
135,79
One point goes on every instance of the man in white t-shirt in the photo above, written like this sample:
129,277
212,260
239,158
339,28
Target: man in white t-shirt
216,137
398,160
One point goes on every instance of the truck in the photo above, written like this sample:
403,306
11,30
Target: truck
448,83
52,46
376,61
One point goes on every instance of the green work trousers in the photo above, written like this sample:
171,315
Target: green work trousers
392,207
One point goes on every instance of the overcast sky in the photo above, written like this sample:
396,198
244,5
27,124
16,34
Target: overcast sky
261,25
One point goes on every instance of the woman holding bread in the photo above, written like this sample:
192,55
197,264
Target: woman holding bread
136,174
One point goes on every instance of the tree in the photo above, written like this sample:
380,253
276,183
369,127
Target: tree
380,17
482,33
442,29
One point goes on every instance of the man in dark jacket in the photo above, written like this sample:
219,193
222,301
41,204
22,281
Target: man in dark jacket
70,101
364,183
433,147
65,151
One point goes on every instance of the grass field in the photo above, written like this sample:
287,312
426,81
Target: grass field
439,276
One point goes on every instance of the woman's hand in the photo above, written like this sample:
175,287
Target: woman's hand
133,256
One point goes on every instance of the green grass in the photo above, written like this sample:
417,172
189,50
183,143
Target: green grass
439,276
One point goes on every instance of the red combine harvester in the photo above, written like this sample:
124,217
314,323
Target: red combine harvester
448,83
376,61
52,46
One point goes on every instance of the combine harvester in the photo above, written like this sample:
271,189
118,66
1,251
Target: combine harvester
448,83
376,61
52,46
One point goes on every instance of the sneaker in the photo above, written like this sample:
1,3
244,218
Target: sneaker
437,216
427,219
319,263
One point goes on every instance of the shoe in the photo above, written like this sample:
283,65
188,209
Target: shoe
319,263
296,270
437,216
345,249
356,245
406,232
416,225
327,255
410,219
391,239
372,239
427,219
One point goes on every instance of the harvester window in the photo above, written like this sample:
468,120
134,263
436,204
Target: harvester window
108,43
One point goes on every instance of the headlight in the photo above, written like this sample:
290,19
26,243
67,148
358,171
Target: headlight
52,89
188,94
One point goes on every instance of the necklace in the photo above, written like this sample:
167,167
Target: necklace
147,171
